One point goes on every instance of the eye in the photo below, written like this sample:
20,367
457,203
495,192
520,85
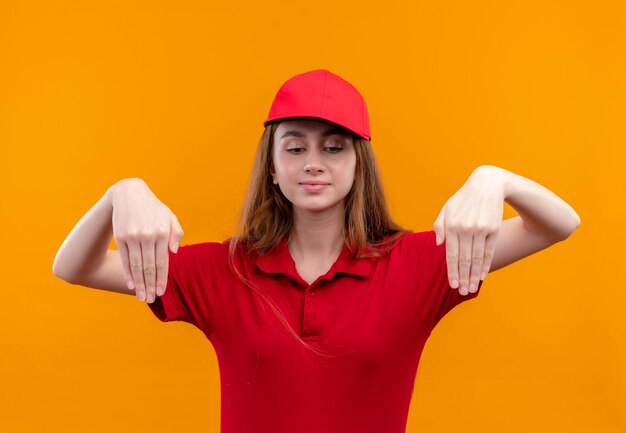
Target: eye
333,149
295,150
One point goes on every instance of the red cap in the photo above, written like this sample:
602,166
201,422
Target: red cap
322,95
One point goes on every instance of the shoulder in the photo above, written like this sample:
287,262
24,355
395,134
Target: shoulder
201,251
205,259
411,241
416,249
203,247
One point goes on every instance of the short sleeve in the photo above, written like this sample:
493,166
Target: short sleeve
193,273
435,297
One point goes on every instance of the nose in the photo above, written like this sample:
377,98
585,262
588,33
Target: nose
313,163
313,168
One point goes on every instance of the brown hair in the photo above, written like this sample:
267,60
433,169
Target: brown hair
267,218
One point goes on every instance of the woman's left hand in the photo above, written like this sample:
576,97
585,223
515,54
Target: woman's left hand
469,223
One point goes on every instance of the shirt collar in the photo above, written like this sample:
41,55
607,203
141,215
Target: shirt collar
279,261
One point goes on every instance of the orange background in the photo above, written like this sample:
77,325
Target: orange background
94,92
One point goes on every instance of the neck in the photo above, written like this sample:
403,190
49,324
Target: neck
317,236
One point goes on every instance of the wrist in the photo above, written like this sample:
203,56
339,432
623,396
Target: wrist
499,176
123,185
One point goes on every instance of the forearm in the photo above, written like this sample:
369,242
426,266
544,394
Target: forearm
541,210
86,246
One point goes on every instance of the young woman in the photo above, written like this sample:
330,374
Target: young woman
320,307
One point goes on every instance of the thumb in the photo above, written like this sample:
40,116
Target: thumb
176,234
439,228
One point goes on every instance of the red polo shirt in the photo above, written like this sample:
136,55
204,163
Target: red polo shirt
374,315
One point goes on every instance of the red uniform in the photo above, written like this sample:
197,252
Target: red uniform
373,315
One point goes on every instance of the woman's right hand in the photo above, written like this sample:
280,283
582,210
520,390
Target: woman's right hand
144,229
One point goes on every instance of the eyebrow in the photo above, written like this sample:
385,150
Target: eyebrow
331,131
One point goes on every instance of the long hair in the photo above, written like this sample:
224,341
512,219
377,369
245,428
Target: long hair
267,215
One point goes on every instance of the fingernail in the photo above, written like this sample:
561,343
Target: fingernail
455,284
130,285
472,287
150,298
438,239
141,296
159,291
175,247
483,275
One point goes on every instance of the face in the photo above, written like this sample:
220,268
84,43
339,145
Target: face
313,163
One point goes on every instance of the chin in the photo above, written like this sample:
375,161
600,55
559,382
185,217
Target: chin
315,207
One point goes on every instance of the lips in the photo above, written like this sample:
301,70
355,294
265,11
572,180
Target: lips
314,182
314,185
